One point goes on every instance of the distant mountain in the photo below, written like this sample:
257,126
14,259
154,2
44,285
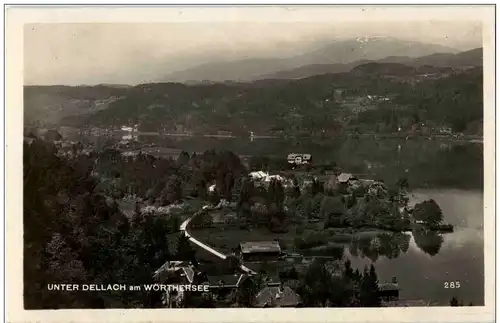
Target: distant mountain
390,69
463,59
313,69
339,52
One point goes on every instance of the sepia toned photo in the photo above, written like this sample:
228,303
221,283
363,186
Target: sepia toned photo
253,158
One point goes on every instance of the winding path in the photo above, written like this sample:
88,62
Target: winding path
184,227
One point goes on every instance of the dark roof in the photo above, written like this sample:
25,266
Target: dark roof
388,287
226,280
277,297
174,266
261,246
270,276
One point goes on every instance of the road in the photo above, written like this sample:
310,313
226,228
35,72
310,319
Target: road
184,227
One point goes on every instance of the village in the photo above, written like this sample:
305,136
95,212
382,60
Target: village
239,256
277,269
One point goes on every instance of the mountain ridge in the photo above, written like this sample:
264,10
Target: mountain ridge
471,57
338,52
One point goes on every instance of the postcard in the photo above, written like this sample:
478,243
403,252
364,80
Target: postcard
250,163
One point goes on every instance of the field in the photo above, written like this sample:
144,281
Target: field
228,239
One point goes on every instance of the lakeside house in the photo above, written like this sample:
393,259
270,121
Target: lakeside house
345,178
264,176
176,270
261,178
389,291
225,282
260,250
299,159
278,296
135,128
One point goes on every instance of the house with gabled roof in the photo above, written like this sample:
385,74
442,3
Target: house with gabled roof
260,250
277,296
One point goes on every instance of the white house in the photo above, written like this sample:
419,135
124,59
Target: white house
299,159
265,177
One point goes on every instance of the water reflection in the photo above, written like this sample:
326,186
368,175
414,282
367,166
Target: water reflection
428,241
389,245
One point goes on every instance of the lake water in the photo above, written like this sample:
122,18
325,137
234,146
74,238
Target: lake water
425,163
460,257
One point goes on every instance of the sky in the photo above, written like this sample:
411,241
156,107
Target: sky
132,53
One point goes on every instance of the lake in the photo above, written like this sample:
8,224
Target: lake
460,257
425,163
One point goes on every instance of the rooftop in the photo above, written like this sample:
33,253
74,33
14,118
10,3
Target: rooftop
344,177
277,297
388,286
174,266
260,246
232,281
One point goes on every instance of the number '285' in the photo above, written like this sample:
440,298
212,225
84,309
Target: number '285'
452,284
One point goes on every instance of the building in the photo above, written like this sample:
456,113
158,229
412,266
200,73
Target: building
259,251
389,291
258,175
223,288
225,281
345,178
180,271
278,296
135,128
175,272
270,276
444,130
299,159
263,179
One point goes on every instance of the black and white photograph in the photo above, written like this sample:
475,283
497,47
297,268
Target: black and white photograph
257,163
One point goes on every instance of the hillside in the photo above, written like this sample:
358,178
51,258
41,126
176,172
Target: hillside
338,52
463,59
324,104
389,69
50,104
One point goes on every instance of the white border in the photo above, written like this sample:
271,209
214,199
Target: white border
16,17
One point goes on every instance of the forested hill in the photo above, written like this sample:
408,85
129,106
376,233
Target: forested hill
326,104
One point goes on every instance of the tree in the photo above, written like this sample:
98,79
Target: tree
82,237
348,271
275,193
246,193
429,212
183,158
351,200
172,191
402,183
277,218
249,289
231,264
184,249
316,286
332,211
369,295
